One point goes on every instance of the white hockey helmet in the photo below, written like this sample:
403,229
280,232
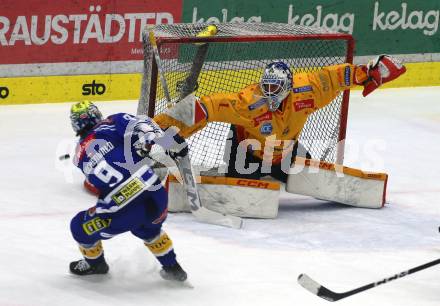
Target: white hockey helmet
276,84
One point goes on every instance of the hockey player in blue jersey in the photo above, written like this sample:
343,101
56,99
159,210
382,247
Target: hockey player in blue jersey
111,153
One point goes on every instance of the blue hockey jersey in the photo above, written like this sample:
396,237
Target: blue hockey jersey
108,158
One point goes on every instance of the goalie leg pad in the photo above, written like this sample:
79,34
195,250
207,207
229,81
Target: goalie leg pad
232,196
337,183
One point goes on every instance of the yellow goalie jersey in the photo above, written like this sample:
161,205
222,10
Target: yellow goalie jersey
276,131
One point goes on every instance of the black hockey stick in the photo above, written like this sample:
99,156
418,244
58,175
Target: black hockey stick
309,284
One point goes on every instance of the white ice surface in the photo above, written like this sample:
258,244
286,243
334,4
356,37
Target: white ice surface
395,130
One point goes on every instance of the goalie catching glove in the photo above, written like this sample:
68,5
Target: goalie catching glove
378,71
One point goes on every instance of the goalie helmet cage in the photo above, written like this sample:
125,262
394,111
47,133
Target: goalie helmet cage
234,58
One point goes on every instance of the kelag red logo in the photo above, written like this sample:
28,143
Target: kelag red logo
299,105
264,117
38,31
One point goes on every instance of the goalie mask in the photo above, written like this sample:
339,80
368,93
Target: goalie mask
276,84
84,116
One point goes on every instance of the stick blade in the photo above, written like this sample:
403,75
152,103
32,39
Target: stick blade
314,287
208,216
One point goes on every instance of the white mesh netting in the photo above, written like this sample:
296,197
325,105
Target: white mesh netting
236,59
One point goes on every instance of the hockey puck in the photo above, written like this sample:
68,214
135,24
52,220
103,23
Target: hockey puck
64,157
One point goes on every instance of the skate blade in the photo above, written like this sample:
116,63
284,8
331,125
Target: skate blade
91,278
178,284
188,284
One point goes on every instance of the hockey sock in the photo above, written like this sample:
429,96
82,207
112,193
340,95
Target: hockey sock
93,253
162,247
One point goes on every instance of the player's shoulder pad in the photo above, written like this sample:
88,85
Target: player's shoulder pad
249,95
122,120
114,123
121,117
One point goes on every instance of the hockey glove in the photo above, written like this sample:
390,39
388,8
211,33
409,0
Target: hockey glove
91,188
180,149
380,70
144,134
143,150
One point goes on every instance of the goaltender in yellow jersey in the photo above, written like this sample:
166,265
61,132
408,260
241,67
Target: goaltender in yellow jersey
267,117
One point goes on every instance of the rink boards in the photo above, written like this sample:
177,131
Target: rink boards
108,87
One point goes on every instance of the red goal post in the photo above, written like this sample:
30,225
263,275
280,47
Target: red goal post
234,58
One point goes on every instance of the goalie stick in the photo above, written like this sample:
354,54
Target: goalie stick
184,169
184,164
200,212
314,287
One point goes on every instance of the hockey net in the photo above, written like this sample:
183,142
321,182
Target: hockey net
235,57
